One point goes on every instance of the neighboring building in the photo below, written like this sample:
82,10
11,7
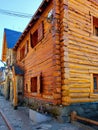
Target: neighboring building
14,73
58,52
2,80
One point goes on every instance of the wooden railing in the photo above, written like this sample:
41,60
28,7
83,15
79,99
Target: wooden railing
75,117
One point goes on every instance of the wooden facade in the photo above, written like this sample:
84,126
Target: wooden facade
82,50
58,52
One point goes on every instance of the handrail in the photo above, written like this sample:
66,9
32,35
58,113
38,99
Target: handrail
75,117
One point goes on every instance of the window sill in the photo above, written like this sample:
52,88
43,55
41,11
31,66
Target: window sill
94,37
94,95
35,94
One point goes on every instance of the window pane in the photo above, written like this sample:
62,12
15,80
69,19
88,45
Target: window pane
96,31
34,38
34,84
95,82
95,26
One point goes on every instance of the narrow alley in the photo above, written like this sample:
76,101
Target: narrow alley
19,120
49,76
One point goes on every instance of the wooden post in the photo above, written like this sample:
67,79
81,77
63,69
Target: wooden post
15,94
73,116
15,90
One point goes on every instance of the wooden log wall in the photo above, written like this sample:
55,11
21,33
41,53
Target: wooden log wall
64,51
43,59
81,54
67,56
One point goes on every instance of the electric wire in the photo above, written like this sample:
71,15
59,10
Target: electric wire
14,13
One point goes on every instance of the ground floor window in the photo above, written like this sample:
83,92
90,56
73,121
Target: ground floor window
36,84
95,80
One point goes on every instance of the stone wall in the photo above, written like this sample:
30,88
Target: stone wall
2,89
62,113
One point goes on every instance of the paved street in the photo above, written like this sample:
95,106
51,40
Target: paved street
2,124
20,121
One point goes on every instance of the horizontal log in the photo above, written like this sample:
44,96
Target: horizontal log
79,90
79,95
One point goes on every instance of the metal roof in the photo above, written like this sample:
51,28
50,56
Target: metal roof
11,37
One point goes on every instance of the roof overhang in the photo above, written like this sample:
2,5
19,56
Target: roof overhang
35,17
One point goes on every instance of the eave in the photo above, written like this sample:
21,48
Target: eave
35,17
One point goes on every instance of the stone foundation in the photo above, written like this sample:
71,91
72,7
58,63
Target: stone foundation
62,113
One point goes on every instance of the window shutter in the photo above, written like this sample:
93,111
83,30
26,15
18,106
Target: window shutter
26,47
34,39
40,31
38,84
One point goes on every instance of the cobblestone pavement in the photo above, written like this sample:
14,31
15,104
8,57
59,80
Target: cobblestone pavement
19,120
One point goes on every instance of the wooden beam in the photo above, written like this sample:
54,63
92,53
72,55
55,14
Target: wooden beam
75,117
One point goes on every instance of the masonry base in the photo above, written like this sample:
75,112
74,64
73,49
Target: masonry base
63,113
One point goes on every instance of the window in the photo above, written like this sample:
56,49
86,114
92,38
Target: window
24,50
95,79
34,38
37,35
95,26
36,84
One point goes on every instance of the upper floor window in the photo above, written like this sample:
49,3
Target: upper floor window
95,26
24,50
37,35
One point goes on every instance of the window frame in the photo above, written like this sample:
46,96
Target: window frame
38,87
95,26
93,93
34,88
95,76
38,35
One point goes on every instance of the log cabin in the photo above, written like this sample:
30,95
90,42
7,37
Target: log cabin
58,52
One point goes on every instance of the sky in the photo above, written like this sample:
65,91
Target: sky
12,22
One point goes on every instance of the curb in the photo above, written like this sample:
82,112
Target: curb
6,121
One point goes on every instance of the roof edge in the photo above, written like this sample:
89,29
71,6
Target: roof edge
32,21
